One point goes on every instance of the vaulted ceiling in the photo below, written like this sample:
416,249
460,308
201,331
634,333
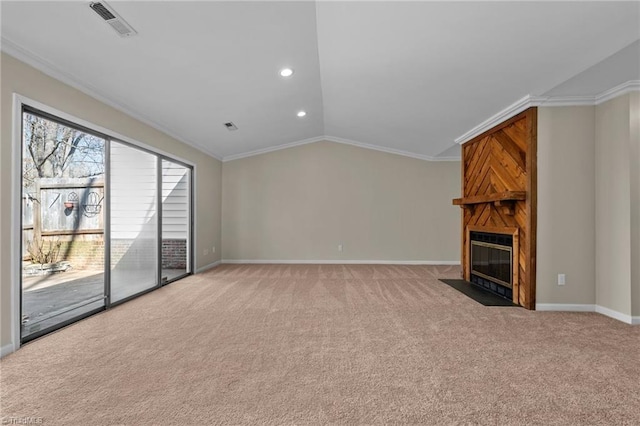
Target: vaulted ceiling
402,76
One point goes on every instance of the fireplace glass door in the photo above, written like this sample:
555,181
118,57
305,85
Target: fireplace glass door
493,262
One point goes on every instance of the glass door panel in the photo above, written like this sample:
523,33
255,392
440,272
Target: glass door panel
176,220
62,224
134,221
82,193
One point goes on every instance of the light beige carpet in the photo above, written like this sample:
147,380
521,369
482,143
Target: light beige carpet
303,344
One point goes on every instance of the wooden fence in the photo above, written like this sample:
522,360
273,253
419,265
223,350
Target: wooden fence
64,208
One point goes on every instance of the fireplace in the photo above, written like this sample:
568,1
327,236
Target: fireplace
500,196
491,262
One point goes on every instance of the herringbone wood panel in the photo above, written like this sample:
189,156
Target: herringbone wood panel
503,159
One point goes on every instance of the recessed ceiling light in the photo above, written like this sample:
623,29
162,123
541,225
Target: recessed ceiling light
301,114
286,72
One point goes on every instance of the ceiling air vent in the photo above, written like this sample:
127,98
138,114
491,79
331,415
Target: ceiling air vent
230,126
112,18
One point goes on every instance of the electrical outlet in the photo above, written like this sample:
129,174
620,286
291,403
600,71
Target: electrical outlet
213,249
561,279
205,252
339,247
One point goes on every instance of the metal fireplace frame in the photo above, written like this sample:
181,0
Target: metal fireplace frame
515,253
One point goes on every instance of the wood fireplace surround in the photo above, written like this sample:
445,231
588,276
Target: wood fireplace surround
499,195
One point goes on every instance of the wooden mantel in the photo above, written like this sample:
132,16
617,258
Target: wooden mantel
491,198
505,200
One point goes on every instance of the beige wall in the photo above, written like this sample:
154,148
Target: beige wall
27,81
613,205
5,221
566,205
301,203
589,205
635,200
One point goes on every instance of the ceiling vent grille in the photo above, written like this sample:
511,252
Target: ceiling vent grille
107,13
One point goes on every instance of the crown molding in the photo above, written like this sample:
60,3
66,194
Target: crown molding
560,101
12,49
548,101
508,112
622,89
378,148
272,149
607,95
340,141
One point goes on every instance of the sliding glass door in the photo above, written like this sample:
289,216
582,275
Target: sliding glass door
102,221
134,221
63,179
176,217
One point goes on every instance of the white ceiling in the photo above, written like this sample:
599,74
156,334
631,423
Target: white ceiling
402,76
618,68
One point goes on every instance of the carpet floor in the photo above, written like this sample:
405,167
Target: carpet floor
325,344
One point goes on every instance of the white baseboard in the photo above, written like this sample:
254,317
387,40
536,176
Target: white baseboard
565,307
568,307
614,314
207,267
344,262
6,350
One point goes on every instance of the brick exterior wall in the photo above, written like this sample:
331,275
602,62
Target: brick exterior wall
174,254
125,254
83,254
